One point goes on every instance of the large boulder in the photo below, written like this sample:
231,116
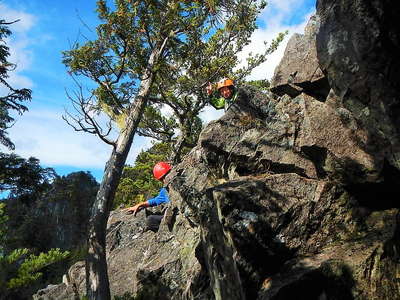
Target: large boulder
161,265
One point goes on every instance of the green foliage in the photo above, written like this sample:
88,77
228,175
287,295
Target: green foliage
19,270
3,227
262,84
40,206
12,100
78,253
157,126
129,32
77,188
137,183
60,208
25,181
30,267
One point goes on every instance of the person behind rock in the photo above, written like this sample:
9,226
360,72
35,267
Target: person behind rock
160,171
224,95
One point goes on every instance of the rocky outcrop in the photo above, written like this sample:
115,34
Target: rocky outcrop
289,196
62,213
299,70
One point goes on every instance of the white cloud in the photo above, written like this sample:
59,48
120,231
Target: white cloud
18,44
44,135
166,111
274,17
26,21
139,144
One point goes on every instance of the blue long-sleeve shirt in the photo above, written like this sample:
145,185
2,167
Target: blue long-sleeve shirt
161,198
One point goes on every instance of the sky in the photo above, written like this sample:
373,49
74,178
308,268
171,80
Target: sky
48,27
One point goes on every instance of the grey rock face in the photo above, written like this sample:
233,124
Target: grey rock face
299,70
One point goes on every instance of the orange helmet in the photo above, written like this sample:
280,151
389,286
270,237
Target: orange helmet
161,169
224,82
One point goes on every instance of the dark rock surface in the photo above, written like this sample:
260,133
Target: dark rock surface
358,48
299,70
286,196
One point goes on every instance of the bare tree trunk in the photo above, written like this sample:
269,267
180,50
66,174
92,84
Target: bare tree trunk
97,283
176,154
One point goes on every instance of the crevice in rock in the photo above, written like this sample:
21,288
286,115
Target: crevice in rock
171,220
242,218
318,89
252,269
114,230
392,247
289,89
378,195
246,166
317,155
279,168
113,226
333,280
153,286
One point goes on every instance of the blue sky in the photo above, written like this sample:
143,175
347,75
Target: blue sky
49,27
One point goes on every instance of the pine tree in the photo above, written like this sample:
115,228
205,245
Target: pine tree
14,97
23,178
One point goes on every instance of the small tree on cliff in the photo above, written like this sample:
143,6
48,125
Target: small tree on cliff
136,40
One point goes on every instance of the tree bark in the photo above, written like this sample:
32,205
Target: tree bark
97,283
176,154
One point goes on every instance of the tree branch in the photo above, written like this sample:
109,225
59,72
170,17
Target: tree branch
84,121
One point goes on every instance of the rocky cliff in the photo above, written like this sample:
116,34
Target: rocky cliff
289,195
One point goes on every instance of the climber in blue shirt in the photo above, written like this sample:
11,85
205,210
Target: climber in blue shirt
160,171
161,198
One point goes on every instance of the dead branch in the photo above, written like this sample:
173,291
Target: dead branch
84,117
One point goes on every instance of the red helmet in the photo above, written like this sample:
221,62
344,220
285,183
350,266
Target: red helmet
161,169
